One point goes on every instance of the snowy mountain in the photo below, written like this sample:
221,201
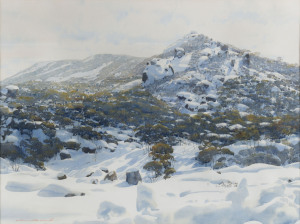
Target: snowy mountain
94,69
198,74
202,133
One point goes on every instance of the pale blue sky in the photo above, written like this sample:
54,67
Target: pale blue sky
42,30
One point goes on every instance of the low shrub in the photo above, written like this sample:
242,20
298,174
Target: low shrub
72,145
208,152
154,166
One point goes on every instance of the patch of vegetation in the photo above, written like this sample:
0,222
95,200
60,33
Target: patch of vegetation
162,157
208,152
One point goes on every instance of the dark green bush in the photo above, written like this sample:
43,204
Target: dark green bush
11,151
72,145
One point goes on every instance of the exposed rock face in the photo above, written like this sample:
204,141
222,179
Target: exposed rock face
246,58
112,175
179,52
61,176
145,77
224,47
64,155
104,169
94,181
70,195
90,174
133,177
73,195
88,150
209,98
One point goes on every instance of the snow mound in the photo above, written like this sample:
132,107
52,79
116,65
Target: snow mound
15,186
54,190
107,210
145,198
12,87
239,196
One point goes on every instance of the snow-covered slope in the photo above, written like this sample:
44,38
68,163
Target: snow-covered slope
79,121
212,76
94,68
259,193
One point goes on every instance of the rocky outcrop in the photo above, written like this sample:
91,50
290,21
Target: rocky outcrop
133,177
61,176
94,181
64,155
88,150
179,52
211,98
224,47
73,195
246,58
112,175
104,169
145,77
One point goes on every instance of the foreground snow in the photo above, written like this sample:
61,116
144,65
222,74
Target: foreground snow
256,194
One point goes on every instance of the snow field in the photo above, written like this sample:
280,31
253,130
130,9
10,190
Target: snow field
259,193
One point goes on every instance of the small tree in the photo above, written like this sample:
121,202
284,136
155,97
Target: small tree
162,157
154,166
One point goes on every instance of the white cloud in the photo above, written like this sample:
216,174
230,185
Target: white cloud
35,30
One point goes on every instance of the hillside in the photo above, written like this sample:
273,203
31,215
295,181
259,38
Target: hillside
202,131
204,75
102,69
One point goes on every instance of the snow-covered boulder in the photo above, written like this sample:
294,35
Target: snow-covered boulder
204,83
10,91
211,97
64,155
192,106
207,52
11,139
158,69
179,52
133,177
88,150
112,175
